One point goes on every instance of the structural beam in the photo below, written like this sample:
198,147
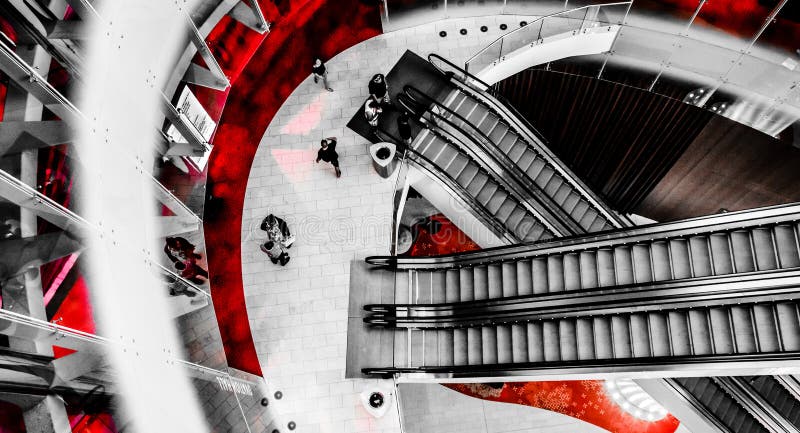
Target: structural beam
17,136
84,9
168,199
176,225
26,197
74,366
19,255
249,13
28,79
25,327
211,76
70,30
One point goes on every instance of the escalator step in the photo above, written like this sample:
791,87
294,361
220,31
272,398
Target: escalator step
495,280
509,277
481,282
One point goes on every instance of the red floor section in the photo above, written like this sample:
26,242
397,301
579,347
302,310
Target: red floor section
447,240
301,30
582,399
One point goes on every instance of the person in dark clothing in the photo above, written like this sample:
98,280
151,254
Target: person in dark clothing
276,252
321,73
372,111
277,230
379,89
179,249
404,128
327,153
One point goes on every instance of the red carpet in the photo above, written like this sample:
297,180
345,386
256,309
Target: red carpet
301,30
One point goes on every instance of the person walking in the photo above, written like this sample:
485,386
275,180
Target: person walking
276,252
379,89
327,153
321,73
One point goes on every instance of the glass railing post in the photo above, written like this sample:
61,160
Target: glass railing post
500,54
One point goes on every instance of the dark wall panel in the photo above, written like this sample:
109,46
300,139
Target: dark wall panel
619,139
728,166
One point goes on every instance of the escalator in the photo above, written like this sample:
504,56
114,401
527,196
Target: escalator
485,193
701,327
749,404
520,147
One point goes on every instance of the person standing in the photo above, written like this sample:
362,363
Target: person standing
321,73
379,89
327,153
276,252
372,110
277,230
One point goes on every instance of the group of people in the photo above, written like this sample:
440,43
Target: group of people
279,239
378,100
185,260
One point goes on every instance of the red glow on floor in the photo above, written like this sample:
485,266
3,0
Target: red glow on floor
307,119
582,399
447,240
291,162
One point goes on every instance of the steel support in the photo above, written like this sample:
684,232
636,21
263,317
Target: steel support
211,76
17,136
249,13
29,79
19,255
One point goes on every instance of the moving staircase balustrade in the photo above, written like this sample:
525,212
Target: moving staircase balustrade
474,142
758,241
484,189
522,147
710,397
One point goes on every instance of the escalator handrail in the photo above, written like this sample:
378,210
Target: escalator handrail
525,189
730,221
498,103
593,365
495,174
741,288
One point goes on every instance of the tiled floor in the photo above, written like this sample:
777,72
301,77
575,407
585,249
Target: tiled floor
298,313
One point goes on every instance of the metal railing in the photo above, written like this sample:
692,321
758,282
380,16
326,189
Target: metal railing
571,22
448,182
486,93
645,233
742,288
494,161
617,365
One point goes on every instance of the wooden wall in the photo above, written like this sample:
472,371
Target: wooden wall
650,154
621,140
